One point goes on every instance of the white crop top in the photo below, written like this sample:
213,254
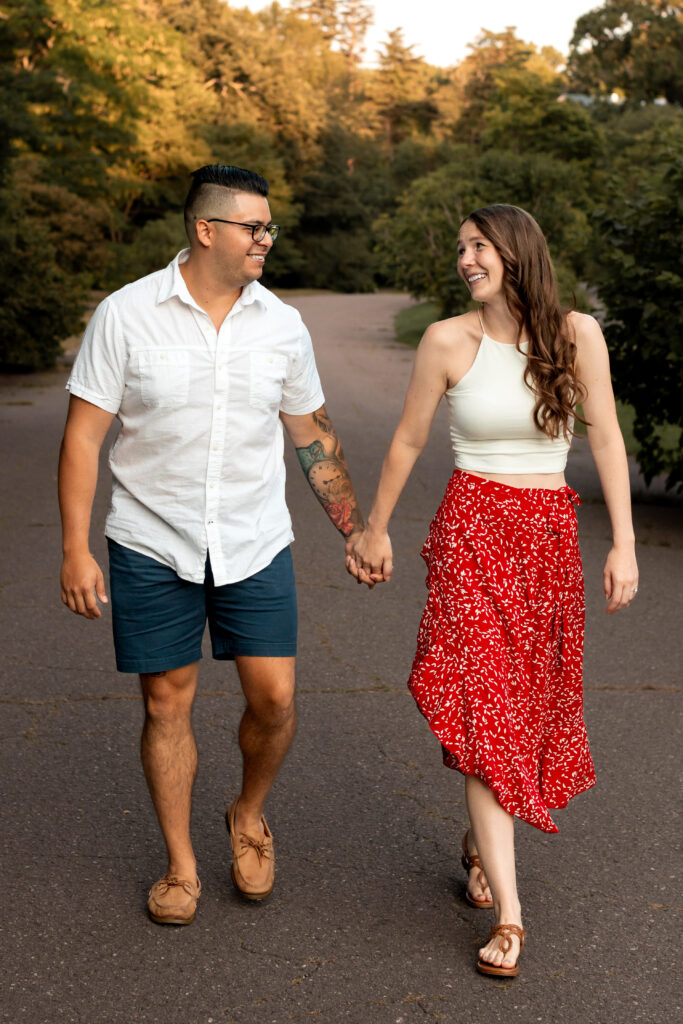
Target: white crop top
491,417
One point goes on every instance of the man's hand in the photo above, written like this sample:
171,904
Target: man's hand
369,556
83,585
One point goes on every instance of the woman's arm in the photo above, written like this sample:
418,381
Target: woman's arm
620,575
428,382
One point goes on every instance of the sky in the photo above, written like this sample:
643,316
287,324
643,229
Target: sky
441,29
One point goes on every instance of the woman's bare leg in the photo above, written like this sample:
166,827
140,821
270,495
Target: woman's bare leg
494,836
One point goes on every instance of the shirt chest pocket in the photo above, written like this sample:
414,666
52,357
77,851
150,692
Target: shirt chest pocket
164,378
267,375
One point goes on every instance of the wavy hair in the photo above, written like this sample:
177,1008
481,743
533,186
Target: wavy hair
530,289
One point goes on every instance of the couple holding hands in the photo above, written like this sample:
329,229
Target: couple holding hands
204,368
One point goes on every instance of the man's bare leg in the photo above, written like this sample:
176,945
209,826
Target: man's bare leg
265,734
169,759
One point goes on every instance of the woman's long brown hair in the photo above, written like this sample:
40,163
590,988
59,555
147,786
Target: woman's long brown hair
531,291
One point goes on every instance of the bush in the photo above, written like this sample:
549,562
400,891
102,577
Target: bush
152,248
47,236
640,283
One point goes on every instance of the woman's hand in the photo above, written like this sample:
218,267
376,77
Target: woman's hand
369,556
620,578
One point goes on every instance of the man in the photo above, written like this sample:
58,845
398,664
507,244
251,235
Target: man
203,367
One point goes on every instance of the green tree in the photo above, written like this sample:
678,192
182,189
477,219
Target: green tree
526,112
401,92
634,47
638,237
341,197
418,243
41,299
477,77
342,22
52,229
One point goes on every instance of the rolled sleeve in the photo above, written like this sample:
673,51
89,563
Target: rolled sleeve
98,373
302,391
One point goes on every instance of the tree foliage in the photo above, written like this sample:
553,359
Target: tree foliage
105,109
634,47
420,240
641,284
344,23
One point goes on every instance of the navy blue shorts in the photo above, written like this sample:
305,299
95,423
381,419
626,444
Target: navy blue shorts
159,619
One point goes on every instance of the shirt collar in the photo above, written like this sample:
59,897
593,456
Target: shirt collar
173,284
254,292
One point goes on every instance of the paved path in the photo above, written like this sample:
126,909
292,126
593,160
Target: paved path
368,924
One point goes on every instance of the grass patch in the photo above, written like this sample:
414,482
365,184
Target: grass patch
411,323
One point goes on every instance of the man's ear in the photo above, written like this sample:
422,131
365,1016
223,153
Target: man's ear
204,233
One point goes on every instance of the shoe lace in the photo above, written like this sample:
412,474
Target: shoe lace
261,846
172,880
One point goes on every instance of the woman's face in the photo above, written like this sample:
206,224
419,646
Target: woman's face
479,263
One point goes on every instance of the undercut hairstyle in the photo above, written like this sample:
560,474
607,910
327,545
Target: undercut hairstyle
530,288
212,185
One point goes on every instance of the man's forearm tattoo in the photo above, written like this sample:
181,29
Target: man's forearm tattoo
325,467
324,422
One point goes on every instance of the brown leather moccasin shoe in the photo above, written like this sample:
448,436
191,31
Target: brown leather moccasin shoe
253,859
173,900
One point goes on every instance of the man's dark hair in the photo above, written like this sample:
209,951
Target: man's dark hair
207,185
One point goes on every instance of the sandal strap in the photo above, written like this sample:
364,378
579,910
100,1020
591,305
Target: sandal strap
471,860
506,931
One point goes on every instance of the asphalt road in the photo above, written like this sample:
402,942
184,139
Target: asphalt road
367,924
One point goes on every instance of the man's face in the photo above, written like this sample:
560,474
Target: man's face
237,258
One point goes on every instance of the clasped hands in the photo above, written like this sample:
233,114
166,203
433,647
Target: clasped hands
368,556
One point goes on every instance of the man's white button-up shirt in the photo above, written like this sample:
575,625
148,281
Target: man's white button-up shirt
198,463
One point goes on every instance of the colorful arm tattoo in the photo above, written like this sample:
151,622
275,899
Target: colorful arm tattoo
325,467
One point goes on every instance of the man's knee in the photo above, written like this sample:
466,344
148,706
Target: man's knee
273,706
269,690
169,694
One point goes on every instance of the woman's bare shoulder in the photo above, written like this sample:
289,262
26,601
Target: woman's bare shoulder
583,325
452,345
454,331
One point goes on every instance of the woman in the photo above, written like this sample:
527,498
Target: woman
497,671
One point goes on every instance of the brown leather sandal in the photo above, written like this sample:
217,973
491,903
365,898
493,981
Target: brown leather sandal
506,930
469,861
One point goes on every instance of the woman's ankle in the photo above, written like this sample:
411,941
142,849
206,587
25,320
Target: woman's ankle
507,912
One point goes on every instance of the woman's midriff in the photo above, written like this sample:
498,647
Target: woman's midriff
552,481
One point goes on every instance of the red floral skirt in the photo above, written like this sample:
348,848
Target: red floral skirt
498,668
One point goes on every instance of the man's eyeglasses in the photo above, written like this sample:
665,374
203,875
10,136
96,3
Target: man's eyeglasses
258,231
